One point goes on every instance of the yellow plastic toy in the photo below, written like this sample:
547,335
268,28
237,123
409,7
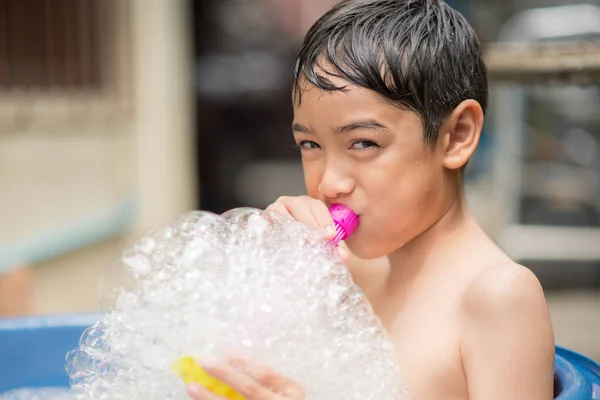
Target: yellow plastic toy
189,371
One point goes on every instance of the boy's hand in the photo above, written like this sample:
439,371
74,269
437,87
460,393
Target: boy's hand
250,379
310,211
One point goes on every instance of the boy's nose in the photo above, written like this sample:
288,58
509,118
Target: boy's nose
334,184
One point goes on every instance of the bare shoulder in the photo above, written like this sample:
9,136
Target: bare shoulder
506,327
507,287
505,307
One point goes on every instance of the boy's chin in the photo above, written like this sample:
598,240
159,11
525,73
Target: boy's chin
364,250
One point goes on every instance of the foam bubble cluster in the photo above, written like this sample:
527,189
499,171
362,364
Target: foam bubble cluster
248,281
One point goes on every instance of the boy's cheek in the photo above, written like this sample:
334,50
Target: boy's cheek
373,239
312,178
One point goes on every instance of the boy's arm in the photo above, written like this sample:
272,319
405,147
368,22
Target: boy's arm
507,345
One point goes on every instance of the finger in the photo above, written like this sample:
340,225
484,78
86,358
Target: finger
299,209
240,382
267,377
278,208
321,213
199,392
344,254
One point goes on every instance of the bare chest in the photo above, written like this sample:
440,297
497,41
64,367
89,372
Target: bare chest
427,348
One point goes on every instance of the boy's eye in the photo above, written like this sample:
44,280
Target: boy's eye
308,144
364,144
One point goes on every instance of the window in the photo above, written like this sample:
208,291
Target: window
62,60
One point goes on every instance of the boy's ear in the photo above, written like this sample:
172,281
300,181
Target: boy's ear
459,134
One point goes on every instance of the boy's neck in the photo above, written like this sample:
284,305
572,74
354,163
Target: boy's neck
424,254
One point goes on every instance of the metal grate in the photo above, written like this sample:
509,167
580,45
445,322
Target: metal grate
53,44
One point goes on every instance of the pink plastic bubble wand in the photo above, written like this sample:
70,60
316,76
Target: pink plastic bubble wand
346,222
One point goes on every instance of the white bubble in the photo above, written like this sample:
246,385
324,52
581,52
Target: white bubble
138,263
145,245
126,301
193,251
257,225
248,281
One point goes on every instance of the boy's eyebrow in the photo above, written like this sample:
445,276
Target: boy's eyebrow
359,124
296,127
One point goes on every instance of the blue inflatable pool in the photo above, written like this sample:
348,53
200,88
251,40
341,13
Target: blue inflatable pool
576,376
32,354
32,350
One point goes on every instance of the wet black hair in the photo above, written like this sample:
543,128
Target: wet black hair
421,55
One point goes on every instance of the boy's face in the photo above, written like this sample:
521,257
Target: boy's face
370,155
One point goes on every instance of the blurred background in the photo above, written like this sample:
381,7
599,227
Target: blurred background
117,116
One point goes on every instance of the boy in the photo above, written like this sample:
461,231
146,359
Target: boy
388,108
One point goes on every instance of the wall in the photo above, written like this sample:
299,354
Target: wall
136,165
